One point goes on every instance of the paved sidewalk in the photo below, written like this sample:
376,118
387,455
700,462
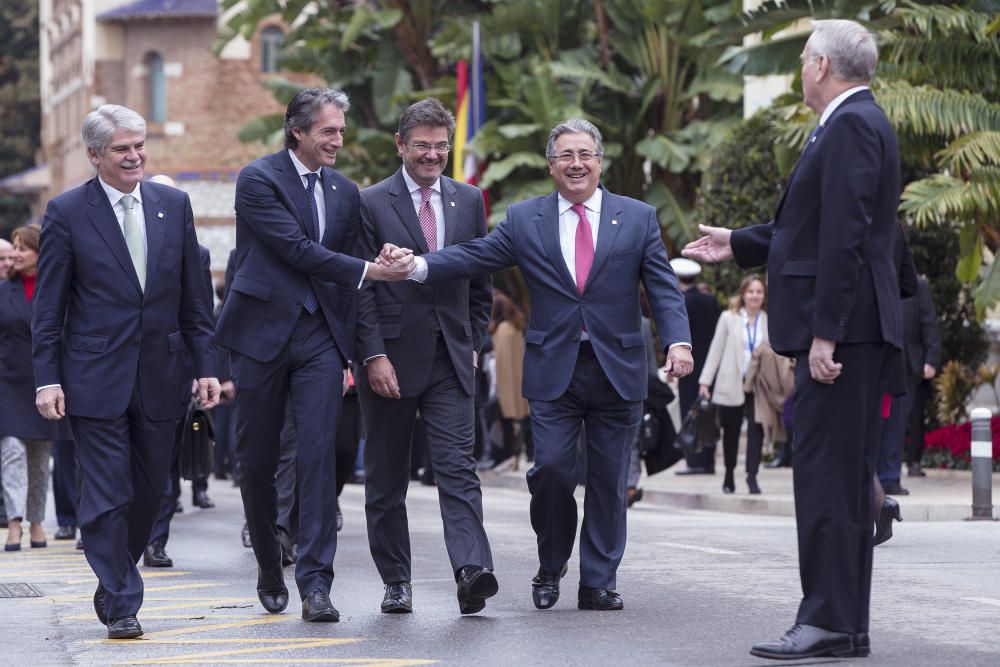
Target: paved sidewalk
943,495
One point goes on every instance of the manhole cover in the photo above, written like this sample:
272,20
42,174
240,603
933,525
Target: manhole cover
19,591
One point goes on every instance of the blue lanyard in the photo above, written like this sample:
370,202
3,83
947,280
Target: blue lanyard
752,339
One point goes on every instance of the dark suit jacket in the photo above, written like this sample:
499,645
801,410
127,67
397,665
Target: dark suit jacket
277,261
922,343
629,250
95,331
829,251
398,319
703,312
19,417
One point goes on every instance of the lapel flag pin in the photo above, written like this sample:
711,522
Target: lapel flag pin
614,222
333,187
453,203
160,214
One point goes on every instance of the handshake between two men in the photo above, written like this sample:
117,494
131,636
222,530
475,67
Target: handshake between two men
392,264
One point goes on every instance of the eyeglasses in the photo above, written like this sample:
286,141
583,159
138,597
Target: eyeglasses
443,147
569,156
806,61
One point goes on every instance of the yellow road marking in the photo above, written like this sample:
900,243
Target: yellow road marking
267,620
149,589
48,559
286,645
47,572
145,575
192,603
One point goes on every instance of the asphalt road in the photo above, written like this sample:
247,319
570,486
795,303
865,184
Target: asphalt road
699,588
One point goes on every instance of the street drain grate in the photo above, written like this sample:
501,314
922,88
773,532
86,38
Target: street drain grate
19,591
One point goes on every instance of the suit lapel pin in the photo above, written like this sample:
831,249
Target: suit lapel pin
160,214
453,203
614,222
333,187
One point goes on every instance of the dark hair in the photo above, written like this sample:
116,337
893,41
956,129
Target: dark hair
505,310
302,110
29,236
428,112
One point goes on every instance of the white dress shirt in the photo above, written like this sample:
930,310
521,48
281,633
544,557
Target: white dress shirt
318,194
115,198
437,203
837,101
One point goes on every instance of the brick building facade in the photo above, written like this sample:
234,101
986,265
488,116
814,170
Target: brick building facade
156,56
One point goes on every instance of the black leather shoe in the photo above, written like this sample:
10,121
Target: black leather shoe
806,641
102,616
886,513
126,627
915,470
475,585
317,608
545,588
271,590
65,533
894,489
79,543
752,485
728,484
599,599
632,496
156,555
398,598
201,499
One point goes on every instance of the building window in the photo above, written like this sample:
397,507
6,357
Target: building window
271,39
157,91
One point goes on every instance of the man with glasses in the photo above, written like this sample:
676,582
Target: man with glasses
419,344
834,304
583,252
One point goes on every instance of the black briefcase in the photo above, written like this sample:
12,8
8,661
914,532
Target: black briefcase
197,442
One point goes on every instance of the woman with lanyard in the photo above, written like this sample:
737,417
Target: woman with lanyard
740,330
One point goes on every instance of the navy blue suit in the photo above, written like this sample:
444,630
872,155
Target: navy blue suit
568,383
117,350
833,273
280,350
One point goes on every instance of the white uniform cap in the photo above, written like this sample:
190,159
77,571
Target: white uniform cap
684,267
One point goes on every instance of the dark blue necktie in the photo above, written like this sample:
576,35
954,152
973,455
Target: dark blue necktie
309,302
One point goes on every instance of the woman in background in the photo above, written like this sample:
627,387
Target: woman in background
506,328
25,436
739,331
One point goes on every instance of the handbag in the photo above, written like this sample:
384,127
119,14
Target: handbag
194,459
699,429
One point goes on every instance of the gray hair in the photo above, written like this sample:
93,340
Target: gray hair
100,126
303,107
851,49
574,126
425,113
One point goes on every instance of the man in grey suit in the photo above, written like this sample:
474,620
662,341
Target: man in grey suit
420,345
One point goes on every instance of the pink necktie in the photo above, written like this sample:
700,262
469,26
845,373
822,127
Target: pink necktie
584,247
428,223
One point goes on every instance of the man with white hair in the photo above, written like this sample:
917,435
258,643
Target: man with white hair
120,296
833,304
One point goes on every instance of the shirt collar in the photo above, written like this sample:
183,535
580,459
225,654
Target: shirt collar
594,203
837,101
412,185
301,168
114,195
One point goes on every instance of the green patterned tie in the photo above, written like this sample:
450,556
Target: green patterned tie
133,238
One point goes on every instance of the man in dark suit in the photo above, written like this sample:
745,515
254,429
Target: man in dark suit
120,297
289,322
833,303
156,551
703,313
583,251
921,353
420,345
